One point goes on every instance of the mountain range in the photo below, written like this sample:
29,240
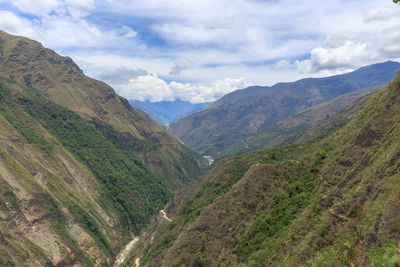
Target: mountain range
166,112
248,112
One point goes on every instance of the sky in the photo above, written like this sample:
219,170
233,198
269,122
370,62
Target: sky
199,50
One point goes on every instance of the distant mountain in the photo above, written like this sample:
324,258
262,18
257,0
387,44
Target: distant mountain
166,112
247,112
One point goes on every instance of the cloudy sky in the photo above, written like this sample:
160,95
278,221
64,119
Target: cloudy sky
199,50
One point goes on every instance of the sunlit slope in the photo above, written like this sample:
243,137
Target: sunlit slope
81,171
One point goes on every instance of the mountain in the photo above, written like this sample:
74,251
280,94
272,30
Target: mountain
166,112
249,111
81,170
332,201
292,127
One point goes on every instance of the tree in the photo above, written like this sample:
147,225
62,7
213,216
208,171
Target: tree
396,1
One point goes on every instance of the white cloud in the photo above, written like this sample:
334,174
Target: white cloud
37,7
79,8
58,32
381,14
152,88
147,87
13,24
283,64
180,65
75,8
347,52
205,41
346,56
119,76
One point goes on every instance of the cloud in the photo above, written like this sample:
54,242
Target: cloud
148,87
79,8
381,14
283,64
37,7
14,24
152,88
346,53
206,41
119,76
75,8
180,66
369,36
211,33
346,56
67,32
80,34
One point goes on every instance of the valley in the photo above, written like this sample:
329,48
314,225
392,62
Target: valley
185,161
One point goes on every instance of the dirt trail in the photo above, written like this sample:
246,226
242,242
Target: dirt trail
164,215
125,252
137,262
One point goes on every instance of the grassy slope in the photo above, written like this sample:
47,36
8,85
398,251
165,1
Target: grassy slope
332,201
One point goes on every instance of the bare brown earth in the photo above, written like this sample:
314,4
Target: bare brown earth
26,220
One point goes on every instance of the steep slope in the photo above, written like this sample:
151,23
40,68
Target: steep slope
249,111
334,122
167,112
80,169
52,207
60,80
290,128
333,201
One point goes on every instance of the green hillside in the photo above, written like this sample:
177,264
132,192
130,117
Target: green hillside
332,201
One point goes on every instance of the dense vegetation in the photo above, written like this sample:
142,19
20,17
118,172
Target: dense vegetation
133,189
